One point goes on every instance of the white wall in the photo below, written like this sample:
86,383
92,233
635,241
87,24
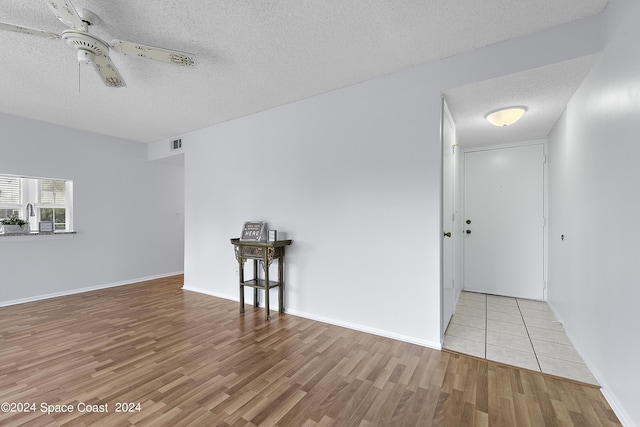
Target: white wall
353,177
133,230
594,179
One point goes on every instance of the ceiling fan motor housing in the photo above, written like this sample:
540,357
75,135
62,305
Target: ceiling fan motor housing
85,44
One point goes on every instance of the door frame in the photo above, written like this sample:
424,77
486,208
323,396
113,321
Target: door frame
545,207
455,226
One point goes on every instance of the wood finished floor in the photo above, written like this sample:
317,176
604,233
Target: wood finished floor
191,359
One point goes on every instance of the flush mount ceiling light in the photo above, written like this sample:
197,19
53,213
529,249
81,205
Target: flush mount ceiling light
505,116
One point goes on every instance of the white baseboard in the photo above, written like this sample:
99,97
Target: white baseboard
348,325
622,415
215,294
369,330
88,289
613,401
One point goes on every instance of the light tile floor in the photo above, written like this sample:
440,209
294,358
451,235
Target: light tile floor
514,331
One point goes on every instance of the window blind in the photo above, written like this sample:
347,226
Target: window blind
51,192
10,190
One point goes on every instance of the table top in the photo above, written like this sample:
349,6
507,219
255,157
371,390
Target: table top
263,244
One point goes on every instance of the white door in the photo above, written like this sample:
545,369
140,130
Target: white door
504,221
448,294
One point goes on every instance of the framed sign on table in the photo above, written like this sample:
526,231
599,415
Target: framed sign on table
254,231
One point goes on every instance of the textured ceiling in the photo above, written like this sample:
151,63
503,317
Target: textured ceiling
253,55
543,91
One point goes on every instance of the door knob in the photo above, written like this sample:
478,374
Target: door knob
447,234
468,221
468,231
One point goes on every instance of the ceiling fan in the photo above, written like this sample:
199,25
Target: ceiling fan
92,50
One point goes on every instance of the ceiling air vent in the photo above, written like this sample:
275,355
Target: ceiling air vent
176,144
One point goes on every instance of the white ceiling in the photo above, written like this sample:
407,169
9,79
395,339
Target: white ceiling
256,54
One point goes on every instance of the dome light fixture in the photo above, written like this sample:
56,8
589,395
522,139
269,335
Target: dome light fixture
505,116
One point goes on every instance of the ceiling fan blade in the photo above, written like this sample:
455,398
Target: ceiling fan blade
155,53
66,13
108,72
27,30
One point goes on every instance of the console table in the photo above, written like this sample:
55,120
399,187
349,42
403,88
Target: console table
264,252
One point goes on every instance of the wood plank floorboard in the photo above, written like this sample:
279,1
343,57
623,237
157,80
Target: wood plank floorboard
193,360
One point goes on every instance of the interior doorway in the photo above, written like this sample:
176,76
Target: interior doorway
493,219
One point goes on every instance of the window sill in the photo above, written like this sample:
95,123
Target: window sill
36,236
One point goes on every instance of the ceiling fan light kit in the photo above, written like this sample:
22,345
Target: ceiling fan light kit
92,50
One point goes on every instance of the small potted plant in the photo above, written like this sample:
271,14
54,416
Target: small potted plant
14,224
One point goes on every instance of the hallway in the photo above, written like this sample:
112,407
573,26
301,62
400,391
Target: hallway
516,332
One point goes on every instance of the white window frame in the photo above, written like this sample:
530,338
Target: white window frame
38,205
13,205
29,194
